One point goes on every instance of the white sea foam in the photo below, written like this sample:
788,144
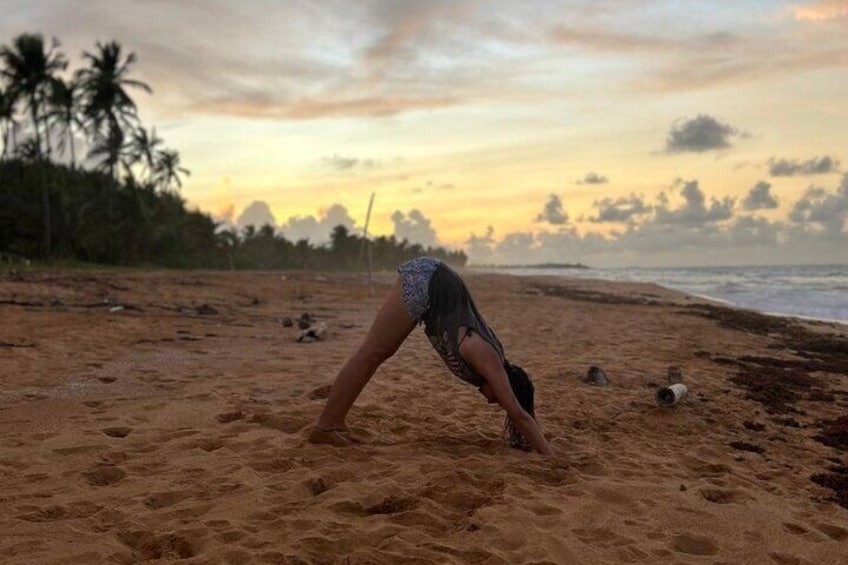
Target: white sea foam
810,291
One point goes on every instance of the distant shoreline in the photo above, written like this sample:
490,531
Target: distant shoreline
533,266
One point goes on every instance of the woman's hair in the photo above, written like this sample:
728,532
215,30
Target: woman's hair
522,388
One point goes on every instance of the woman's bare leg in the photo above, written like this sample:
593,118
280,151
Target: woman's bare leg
390,328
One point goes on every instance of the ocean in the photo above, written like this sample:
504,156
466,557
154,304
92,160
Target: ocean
809,291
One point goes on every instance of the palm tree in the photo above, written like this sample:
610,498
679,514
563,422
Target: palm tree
144,149
7,121
30,71
109,149
64,110
107,107
167,169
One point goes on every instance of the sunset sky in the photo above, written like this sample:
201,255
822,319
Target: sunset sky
615,132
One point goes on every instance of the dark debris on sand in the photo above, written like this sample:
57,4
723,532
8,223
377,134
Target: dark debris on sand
595,296
743,320
837,481
778,384
776,389
745,446
835,433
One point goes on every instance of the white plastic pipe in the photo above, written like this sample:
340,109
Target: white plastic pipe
672,394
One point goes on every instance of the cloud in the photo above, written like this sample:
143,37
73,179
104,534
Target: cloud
593,178
607,42
225,217
693,233
697,60
703,133
821,11
619,210
372,106
727,58
828,210
760,198
694,211
414,227
815,166
347,163
257,214
516,244
553,212
481,247
754,230
317,229
433,185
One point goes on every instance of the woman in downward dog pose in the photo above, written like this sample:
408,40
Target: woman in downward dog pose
428,291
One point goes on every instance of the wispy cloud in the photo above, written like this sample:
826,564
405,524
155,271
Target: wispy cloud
340,163
313,109
790,167
612,43
821,11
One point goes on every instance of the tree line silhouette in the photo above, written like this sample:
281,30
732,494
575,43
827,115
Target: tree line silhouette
121,204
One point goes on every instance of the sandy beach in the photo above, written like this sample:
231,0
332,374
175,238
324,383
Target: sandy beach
163,416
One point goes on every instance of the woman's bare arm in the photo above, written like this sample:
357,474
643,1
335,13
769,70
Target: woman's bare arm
482,357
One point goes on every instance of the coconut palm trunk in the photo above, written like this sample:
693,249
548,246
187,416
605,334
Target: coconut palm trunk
73,150
33,107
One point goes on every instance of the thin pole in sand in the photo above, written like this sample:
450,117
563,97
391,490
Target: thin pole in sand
366,241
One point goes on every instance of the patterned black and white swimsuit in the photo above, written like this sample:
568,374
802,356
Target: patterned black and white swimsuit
437,297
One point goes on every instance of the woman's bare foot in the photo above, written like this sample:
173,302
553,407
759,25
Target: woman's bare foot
338,437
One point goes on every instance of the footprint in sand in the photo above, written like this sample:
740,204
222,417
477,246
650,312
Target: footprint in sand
784,559
705,469
231,536
208,444
318,485
81,509
113,457
164,499
105,476
693,544
228,417
180,433
833,532
285,424
147,545
320,393
272,465
795,529
603,537
117,432
723,496
77,449
393,505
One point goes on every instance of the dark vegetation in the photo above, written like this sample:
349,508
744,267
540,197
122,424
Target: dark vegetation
120,205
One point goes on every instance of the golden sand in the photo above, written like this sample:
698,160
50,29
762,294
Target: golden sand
163,416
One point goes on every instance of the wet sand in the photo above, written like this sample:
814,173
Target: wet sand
163,415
